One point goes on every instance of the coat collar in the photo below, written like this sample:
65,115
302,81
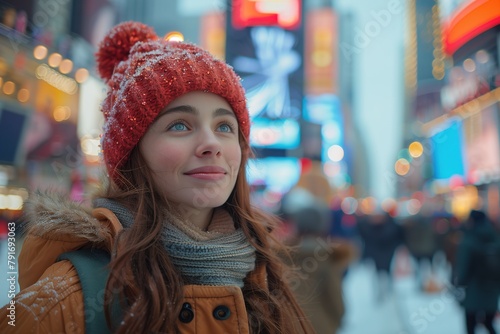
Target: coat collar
53,225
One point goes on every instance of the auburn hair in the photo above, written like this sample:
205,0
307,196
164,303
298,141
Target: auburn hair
149,288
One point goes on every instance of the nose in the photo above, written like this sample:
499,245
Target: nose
208,144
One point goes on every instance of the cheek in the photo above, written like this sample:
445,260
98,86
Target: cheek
234,157
166,157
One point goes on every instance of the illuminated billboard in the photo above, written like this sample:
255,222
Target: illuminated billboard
263,172
13,123
281,13
268,56
448,152
482,146
320,56
279,133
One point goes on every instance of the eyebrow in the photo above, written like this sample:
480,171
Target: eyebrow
192,110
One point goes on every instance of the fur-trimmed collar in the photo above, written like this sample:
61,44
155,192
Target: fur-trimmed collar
55,225
56,217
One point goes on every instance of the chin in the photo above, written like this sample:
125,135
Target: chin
213,204
204,202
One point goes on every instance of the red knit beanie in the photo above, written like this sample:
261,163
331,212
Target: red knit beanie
144,74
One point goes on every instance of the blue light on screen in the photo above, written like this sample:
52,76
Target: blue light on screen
321,109
275,133
278,174
447,152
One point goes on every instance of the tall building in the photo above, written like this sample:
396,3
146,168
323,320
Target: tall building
372,49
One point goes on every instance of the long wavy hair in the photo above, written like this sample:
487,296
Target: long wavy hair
148,286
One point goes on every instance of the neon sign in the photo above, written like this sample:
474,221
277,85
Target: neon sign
283,13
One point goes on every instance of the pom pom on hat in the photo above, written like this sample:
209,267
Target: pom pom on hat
144,74
117,44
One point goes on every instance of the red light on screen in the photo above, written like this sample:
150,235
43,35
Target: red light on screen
283,13
305,165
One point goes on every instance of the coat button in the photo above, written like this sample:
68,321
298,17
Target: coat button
186,314
222,312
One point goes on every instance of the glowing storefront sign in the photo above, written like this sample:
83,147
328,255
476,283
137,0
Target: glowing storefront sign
470,21
283,13
57,80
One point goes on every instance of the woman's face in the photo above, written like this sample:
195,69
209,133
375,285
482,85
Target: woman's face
193,151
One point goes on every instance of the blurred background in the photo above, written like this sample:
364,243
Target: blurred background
380,111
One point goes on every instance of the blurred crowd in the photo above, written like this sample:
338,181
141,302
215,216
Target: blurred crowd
326,241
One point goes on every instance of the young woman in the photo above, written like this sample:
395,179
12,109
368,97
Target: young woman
188,251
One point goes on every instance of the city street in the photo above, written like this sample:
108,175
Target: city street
406,311
166,131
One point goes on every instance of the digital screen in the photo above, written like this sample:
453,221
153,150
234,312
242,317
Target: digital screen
270,63
11,136
278,133
447,152
284,13
278,174
482,145
321,109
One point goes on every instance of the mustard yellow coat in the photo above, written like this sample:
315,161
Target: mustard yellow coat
51,299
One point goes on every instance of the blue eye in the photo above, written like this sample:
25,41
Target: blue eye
179,126
225,128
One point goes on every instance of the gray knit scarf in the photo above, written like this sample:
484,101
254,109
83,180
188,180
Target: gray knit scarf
222,255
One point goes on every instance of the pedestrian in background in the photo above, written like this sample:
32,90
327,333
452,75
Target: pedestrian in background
320,260
189,253
381,236
421,241
478,271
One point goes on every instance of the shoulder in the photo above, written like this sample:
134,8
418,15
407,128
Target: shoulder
55,225
53,304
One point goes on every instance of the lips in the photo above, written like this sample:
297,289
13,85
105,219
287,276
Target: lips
207,173
207,170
